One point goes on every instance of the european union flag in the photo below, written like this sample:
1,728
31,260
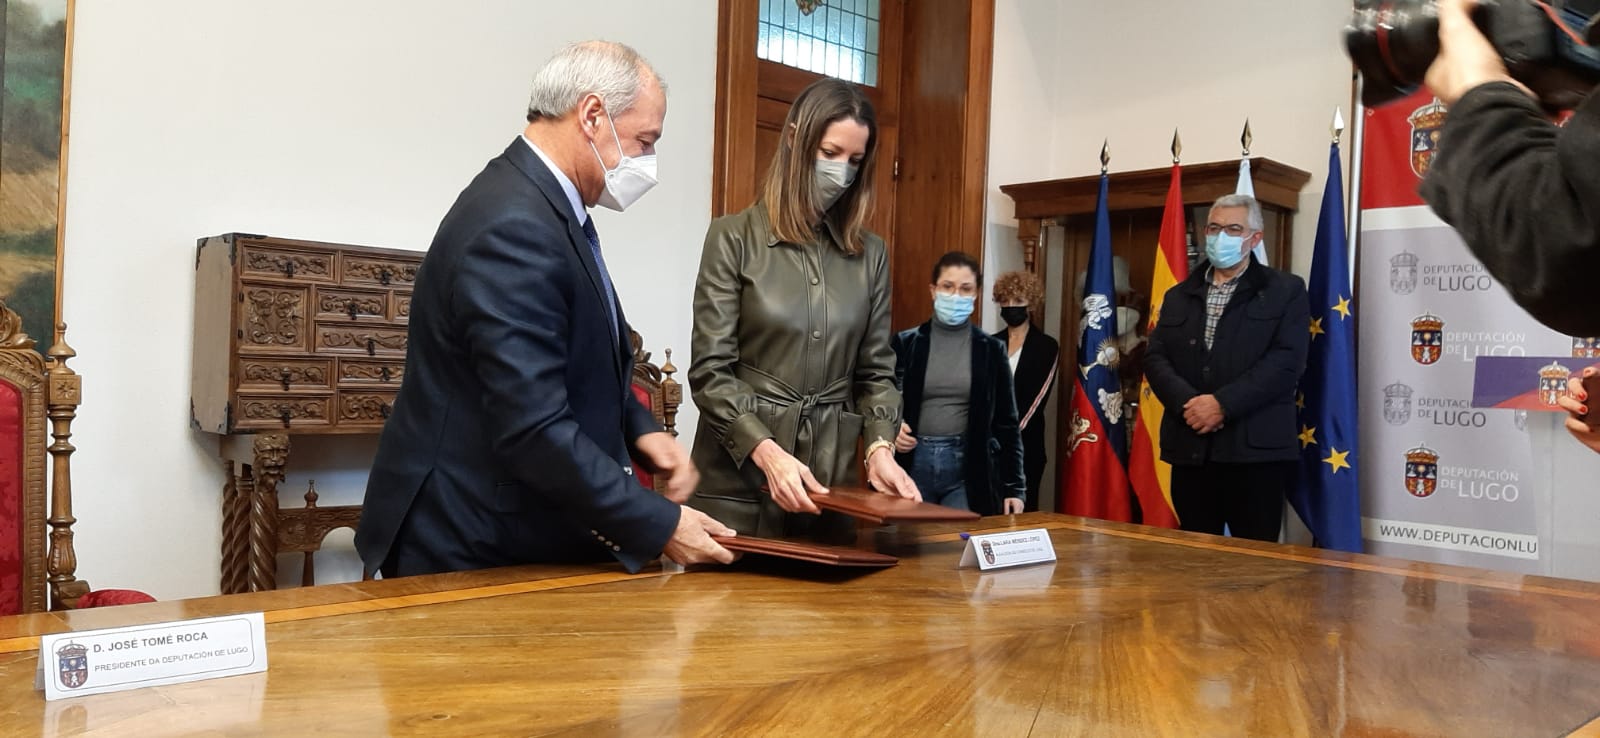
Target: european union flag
1327,495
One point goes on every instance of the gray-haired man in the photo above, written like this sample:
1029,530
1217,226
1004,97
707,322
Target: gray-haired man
1225,358
510,441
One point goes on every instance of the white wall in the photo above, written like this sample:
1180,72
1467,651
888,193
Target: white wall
1068,77
1071,75
356,121
1204,68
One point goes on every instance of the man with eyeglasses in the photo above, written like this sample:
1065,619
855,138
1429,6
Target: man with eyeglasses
1225,358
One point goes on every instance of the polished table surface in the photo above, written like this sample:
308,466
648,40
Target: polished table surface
1132,632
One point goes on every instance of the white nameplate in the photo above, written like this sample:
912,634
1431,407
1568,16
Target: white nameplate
1011,548
116,659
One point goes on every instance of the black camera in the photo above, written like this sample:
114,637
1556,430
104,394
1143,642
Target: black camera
1545,45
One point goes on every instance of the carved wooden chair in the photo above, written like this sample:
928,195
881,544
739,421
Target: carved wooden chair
38,574
302,530
657,390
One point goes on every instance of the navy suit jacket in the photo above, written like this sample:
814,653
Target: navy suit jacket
509,441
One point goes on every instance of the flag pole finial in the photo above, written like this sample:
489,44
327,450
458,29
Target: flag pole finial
1105,156
1246,138
1338,125
1177,147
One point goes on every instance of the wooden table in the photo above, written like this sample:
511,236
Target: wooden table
1133,632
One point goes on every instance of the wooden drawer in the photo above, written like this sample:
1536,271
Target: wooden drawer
270,262
273,318
361,269
292,334
280,412
349,304
365,407
267,373
364,372
365,340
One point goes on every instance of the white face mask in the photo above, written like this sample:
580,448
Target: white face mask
629,180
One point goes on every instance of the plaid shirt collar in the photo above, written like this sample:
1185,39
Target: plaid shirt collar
1230,284
1217,298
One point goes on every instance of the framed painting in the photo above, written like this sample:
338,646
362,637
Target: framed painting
35,51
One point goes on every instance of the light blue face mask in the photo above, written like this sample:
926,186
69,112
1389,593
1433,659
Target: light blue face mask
952,309
1224,251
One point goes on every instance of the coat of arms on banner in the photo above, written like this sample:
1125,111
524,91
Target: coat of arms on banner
1403,273
1426,123
72,660
1080,433
1586,348
1096,309
1422,471
1553,383
1427,338
1397,404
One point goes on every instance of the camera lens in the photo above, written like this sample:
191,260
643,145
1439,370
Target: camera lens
1392,42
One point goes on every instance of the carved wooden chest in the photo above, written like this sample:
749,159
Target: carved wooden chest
298,337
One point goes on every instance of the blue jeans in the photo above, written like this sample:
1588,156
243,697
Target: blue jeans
938,467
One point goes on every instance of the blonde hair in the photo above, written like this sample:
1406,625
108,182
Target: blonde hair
790,192
1019,287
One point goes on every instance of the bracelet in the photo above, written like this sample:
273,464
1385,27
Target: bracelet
866,458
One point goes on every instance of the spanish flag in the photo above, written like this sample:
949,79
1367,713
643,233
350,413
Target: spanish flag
1152,477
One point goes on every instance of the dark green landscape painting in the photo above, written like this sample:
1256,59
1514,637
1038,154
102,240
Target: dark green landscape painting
33,59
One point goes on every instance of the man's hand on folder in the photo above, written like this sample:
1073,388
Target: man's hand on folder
788,480
691,543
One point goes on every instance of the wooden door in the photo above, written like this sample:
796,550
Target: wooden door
755,32
928,78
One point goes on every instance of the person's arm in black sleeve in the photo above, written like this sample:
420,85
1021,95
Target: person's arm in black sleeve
1525,196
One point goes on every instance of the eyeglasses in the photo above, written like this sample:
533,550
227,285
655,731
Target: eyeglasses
962,290
1232,230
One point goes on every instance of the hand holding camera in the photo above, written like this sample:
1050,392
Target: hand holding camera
1466,57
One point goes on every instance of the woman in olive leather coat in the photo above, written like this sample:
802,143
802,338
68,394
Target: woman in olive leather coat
791,359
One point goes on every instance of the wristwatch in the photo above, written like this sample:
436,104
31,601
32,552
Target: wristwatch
866,458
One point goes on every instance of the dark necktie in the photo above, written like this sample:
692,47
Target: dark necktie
605,276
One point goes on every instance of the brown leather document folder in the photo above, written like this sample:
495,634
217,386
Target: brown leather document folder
876,507
802,551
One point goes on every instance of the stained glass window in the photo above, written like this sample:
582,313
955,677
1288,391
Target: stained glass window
838,38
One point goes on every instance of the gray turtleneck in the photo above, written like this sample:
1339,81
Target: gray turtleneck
948,384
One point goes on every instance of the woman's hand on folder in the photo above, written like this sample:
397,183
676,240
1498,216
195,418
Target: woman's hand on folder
884,475
788,480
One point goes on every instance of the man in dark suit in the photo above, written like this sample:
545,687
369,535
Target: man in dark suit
1225,358
511,438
